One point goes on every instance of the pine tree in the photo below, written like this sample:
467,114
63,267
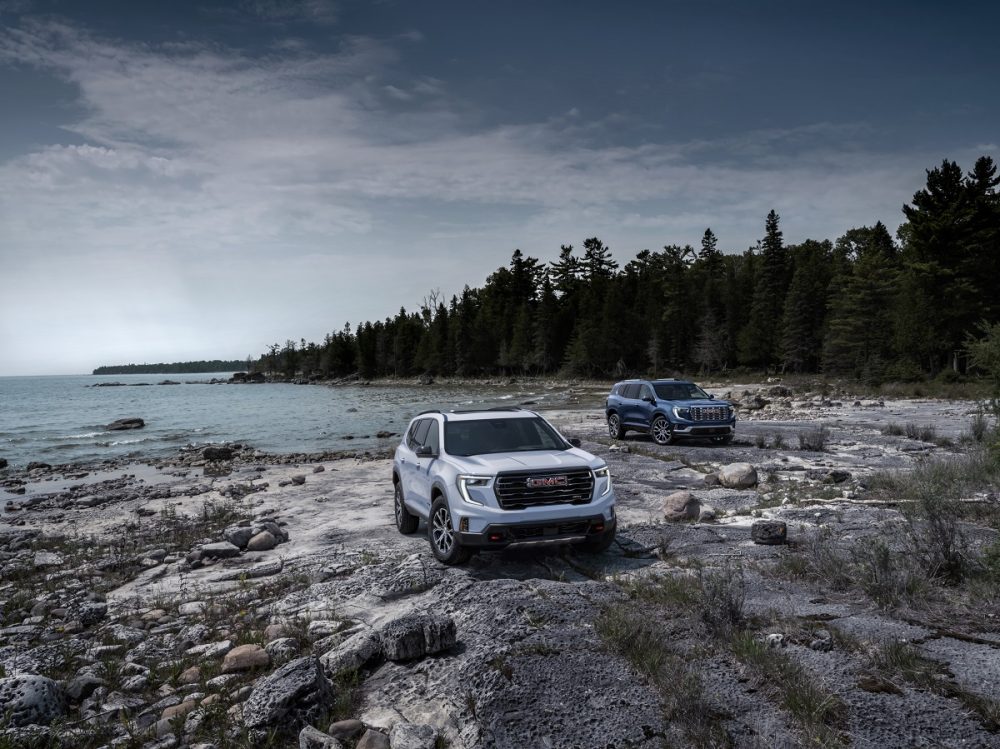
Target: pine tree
760,341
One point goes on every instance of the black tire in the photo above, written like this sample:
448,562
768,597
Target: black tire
441,534
661,431
615,428
599,543
406,521
727,440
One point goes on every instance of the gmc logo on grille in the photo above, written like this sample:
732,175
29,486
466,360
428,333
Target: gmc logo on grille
548,481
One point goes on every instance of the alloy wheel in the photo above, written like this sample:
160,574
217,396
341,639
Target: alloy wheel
441,532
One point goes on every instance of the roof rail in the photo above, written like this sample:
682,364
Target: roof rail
485,410
429,411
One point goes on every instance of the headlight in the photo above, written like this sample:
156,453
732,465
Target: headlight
603,473
464,482
682,413
732,410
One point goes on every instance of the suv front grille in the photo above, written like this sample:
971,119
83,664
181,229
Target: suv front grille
709,413
533,488
527,532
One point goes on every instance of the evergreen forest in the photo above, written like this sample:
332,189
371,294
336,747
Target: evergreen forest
867,305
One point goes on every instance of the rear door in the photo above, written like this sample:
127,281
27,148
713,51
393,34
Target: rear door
630,404
644,409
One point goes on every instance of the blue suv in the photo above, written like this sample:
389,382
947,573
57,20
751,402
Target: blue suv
668,410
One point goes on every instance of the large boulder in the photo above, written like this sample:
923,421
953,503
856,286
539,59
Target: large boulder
416,635
238,535
262,541
738,476
299,690
30,700
681,506
123,424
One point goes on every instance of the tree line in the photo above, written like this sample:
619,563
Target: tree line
867,305
183,367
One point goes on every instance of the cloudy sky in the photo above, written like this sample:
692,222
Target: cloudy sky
192,180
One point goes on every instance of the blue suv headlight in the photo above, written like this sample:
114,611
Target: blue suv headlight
602,473
464,482
682,413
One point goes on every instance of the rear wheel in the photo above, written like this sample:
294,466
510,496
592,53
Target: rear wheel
615,427
406,521
441,534
661,431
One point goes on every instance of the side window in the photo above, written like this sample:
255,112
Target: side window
433,440
645,391
417,433
631,391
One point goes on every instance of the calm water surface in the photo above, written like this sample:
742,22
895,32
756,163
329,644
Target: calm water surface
61,419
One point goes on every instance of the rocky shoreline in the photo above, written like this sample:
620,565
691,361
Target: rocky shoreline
223,597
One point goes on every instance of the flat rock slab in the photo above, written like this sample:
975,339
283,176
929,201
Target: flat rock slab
769,532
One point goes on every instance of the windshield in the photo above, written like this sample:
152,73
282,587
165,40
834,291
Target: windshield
678,391
483,436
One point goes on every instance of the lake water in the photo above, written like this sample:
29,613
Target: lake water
62,419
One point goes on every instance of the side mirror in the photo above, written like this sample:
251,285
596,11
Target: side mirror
574,441
425,451
650,400
711,397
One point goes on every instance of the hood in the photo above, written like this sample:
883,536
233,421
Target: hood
536,460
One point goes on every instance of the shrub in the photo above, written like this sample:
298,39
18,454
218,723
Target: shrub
723,593
892,429
923,432
814,440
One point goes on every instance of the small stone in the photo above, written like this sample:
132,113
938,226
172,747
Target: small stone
263,541
346,729
283,649
190,676
312,738
298,479
769,532
776,640
274,631
182,709
319,469
191,608
373,740
681,506
217,453
821,646
245,658
238,535
707,515
711,479
296,685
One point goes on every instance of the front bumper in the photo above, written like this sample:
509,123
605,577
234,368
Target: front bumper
703,430
532,533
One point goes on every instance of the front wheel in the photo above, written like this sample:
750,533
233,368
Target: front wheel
615,427
441,534
661,431
406,521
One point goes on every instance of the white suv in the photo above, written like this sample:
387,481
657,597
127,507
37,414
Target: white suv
489,479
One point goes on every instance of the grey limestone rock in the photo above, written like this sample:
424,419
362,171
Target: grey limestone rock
217,453
738,476
221,550
238,535
297,689
30,700
681,505
373,740
311,738
769,532
412,736
263,541
416,635
352,653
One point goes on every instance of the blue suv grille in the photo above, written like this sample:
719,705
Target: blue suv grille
532,488
709,413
